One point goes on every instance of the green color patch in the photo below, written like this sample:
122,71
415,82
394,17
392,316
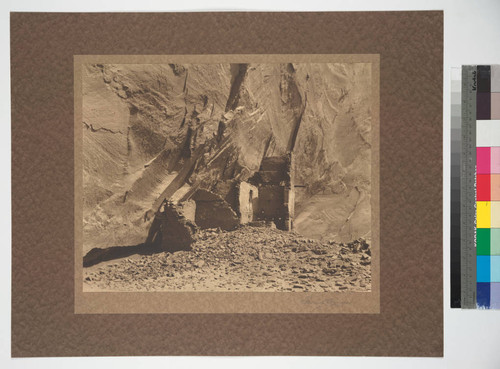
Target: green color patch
483,241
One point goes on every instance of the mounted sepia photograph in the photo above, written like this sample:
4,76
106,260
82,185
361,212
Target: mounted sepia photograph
242,183
227,176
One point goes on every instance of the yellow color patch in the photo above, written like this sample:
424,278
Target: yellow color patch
483,211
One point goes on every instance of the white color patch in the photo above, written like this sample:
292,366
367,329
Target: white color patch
488,133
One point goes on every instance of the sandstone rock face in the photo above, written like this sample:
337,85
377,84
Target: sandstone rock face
164,131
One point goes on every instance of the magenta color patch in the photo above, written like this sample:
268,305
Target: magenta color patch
495,160
483,157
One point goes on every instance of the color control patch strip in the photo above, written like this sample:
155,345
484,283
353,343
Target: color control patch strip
488,187
479,190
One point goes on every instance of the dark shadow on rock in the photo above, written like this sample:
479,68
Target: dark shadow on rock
97,255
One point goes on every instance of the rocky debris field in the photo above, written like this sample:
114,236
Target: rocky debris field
246,259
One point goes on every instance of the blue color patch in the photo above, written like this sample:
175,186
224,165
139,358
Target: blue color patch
483,295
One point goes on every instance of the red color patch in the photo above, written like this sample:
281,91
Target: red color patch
483,187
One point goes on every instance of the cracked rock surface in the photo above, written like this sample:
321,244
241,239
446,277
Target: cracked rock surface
155,131
246,259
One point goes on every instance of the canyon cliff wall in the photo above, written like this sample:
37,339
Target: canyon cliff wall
162,131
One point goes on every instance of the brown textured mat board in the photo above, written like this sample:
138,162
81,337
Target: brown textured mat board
47,319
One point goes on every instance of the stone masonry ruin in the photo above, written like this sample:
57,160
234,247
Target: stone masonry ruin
170,230
248,202
266,198
212,211
276,191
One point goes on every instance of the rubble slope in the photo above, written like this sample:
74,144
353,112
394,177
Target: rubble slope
247,259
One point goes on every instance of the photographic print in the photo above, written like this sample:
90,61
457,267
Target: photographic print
227,176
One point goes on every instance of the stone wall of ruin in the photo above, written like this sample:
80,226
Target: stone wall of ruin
170,230
248,202
276,191
212,211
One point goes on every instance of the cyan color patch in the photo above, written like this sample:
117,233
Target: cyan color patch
495,268
483,268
